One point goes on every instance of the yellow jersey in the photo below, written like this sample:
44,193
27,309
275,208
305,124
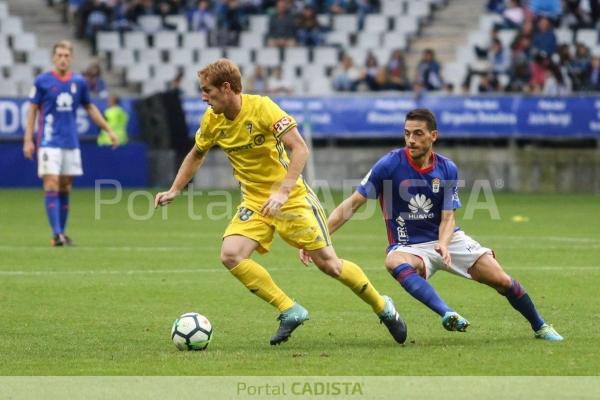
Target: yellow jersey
252,142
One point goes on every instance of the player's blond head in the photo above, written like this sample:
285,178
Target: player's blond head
63,44
221,71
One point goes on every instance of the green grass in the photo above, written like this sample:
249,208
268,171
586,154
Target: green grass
106,306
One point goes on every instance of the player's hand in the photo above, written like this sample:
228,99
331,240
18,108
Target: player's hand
443,252
28,149
305,257
164,198
273,204
113,139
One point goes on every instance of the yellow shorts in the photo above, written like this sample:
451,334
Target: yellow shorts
301,224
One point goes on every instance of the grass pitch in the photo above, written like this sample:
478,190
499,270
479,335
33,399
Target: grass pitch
105,307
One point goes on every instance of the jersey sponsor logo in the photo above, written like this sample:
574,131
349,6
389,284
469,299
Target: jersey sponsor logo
419,207
64,102
435,185
281,125
259,139
401,230
239,148
244,214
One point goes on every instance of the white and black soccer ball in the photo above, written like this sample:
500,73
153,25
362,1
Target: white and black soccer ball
191,331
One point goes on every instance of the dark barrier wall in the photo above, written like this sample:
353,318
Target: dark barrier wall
383,116
127,164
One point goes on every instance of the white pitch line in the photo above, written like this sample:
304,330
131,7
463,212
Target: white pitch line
288,268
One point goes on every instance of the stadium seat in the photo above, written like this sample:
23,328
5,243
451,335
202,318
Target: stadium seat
319,86
150,23
268,57
208,55
589,37
240,55
165,40
180,22
259,23
194,40
392,7
135,40
24,42
376,23
565,35
39,58
137,73
418,9
11,25
252,40
149,56
3,9
121,58
345,23
368,40
181,57
406,25
6,57
152,86
338,39
507,36
296,56
8,87
325,55
394,40
164,72
107,42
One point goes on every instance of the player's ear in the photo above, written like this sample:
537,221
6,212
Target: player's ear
434,135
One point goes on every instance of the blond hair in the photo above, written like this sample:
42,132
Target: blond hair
221,71
63,44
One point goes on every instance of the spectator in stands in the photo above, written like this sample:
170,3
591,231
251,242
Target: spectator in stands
520,69
539,69
93,77
310,32
577,14
557,82
202,18
513,16
498,58
550,9
117,118
360,7
544,39
593,83
429,71
282,27
139,8
165,8
257,83
371,74
580,67
98,19
345,75
279,84
396,76
230,18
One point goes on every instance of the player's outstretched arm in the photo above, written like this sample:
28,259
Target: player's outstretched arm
187,170
445,235
299,154
28,145
99,120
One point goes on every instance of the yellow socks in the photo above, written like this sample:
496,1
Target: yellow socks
354,277
259,282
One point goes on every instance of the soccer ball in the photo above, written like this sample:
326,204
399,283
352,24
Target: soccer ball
191,331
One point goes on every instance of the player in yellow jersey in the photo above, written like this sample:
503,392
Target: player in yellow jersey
253,131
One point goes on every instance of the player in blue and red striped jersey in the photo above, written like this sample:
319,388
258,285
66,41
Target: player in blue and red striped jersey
417,191
56,96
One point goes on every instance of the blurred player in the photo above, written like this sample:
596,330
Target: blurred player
252,130
417,190
56,95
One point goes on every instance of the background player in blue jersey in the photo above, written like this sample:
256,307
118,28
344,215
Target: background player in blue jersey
56,96
417,191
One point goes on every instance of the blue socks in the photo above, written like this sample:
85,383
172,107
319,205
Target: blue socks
63,198
520,300
53,211
419,288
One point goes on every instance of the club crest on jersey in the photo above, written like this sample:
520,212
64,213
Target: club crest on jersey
245,214
73,88
222,134
259,139
249,127
435,185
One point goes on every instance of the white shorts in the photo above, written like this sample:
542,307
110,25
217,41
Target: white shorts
57,161
463,250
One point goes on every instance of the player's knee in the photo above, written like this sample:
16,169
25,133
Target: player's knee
332,267
230,259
